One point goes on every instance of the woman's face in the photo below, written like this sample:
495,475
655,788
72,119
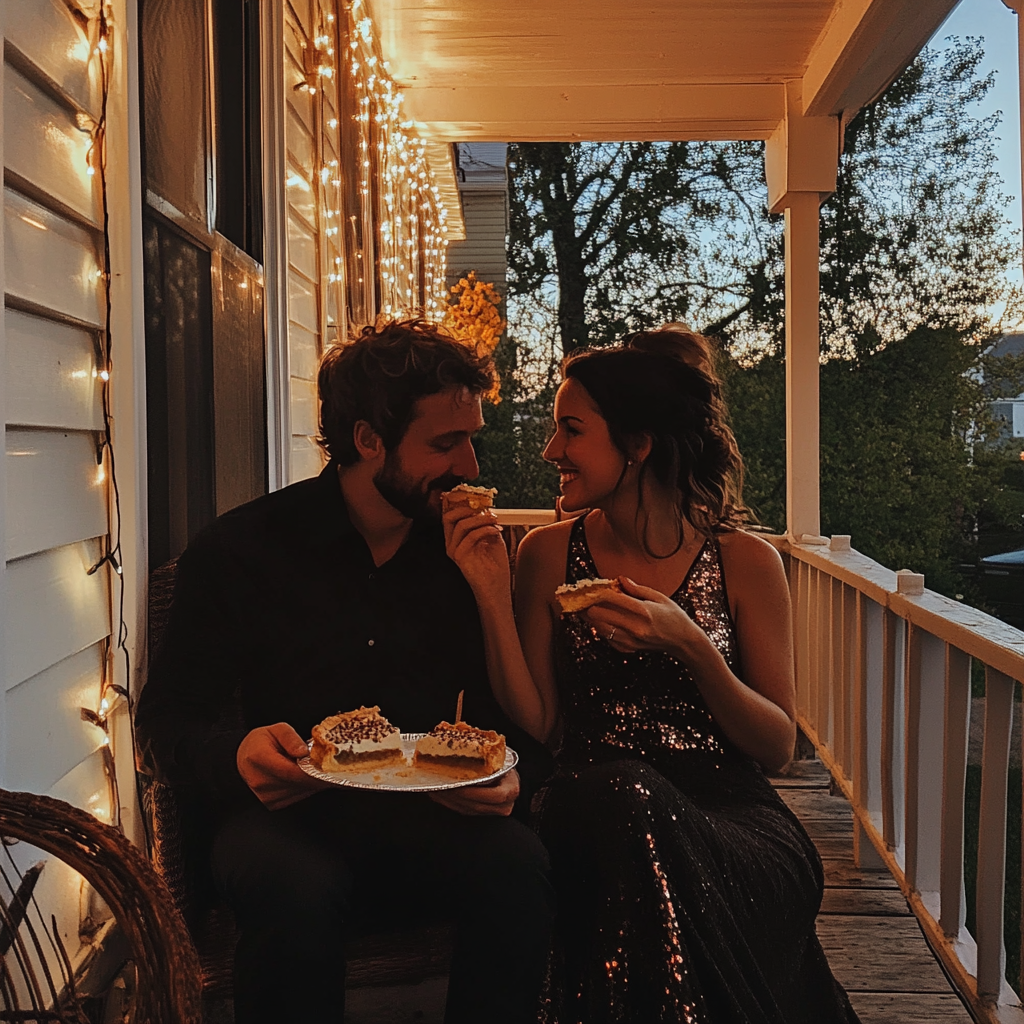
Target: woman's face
589,465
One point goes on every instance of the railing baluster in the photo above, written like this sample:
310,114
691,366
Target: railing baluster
923,731
837,670
992,832
889,622
813,610
799,572
956,727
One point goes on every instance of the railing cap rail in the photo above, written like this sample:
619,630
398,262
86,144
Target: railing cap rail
982,636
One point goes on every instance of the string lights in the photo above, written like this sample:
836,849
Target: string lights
100,55
411,233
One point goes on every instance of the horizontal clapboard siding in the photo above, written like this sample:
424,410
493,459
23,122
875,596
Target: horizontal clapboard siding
53,739
484,249
51,377
56,490
56,512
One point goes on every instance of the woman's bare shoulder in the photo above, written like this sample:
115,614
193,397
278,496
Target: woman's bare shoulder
543,544
748,557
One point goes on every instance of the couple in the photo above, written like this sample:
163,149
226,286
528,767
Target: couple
665,880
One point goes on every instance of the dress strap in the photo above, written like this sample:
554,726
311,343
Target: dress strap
579,563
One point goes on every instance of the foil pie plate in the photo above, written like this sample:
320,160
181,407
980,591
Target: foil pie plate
408,778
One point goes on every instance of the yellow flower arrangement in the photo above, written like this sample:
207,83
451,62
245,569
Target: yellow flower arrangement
473,318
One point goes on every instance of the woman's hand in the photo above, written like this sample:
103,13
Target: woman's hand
473,542
642,619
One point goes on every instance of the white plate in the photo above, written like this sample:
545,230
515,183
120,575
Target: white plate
407,778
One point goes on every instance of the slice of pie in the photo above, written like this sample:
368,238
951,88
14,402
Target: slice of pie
356,741
466,494
462,748
575,597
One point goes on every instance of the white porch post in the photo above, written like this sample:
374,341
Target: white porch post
800,165
802,347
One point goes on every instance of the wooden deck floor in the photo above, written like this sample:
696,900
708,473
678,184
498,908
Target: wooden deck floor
872,941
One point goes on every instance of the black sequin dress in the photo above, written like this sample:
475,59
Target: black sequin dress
687,889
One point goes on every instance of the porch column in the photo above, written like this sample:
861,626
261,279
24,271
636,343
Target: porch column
802,348
800,166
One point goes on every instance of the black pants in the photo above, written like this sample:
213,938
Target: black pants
300,879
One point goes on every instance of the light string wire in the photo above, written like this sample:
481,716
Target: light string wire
96,157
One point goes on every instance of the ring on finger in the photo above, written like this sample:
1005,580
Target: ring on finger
611,634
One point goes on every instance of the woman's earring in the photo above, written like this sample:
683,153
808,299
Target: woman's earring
629,462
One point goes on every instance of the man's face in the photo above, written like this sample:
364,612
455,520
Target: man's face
435,454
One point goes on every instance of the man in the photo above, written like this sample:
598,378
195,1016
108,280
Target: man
333,593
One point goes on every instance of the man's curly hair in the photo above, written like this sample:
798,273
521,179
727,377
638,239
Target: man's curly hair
381,375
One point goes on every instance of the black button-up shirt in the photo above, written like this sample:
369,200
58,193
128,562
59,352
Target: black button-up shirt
281,615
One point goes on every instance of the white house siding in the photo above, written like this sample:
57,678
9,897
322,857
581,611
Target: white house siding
55,618
313,251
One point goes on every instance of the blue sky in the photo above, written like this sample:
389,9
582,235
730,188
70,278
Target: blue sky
997,25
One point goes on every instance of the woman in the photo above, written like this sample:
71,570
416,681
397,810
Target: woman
688,891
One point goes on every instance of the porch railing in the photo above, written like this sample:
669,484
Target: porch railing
883,672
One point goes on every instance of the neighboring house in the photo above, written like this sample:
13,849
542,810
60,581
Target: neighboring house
483,188
1010,411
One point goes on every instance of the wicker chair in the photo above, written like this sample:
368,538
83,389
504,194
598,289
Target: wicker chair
180,837
166,964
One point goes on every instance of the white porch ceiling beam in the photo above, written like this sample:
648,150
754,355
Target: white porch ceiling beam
596,113
863,47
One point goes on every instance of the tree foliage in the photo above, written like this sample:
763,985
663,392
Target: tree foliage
915,249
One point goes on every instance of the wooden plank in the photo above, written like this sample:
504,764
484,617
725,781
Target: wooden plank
46,736
44,32
51,262
879,954
44,145
834,847
843,873
54,608
51,378
810,804
804,774
909,1008
56,491
879,902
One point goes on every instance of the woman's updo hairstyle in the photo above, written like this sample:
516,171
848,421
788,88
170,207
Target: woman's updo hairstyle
663,384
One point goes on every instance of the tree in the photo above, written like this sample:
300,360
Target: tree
915,250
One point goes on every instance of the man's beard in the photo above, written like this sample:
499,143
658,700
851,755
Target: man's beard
408,496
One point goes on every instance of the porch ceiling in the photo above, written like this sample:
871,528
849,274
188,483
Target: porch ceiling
554,70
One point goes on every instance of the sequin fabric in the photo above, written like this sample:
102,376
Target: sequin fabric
687,889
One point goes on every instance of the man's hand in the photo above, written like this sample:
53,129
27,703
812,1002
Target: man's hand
266,761
494,798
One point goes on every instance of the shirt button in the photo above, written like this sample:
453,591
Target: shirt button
372,576
369,643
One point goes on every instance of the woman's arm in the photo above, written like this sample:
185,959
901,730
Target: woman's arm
758,712
475,545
